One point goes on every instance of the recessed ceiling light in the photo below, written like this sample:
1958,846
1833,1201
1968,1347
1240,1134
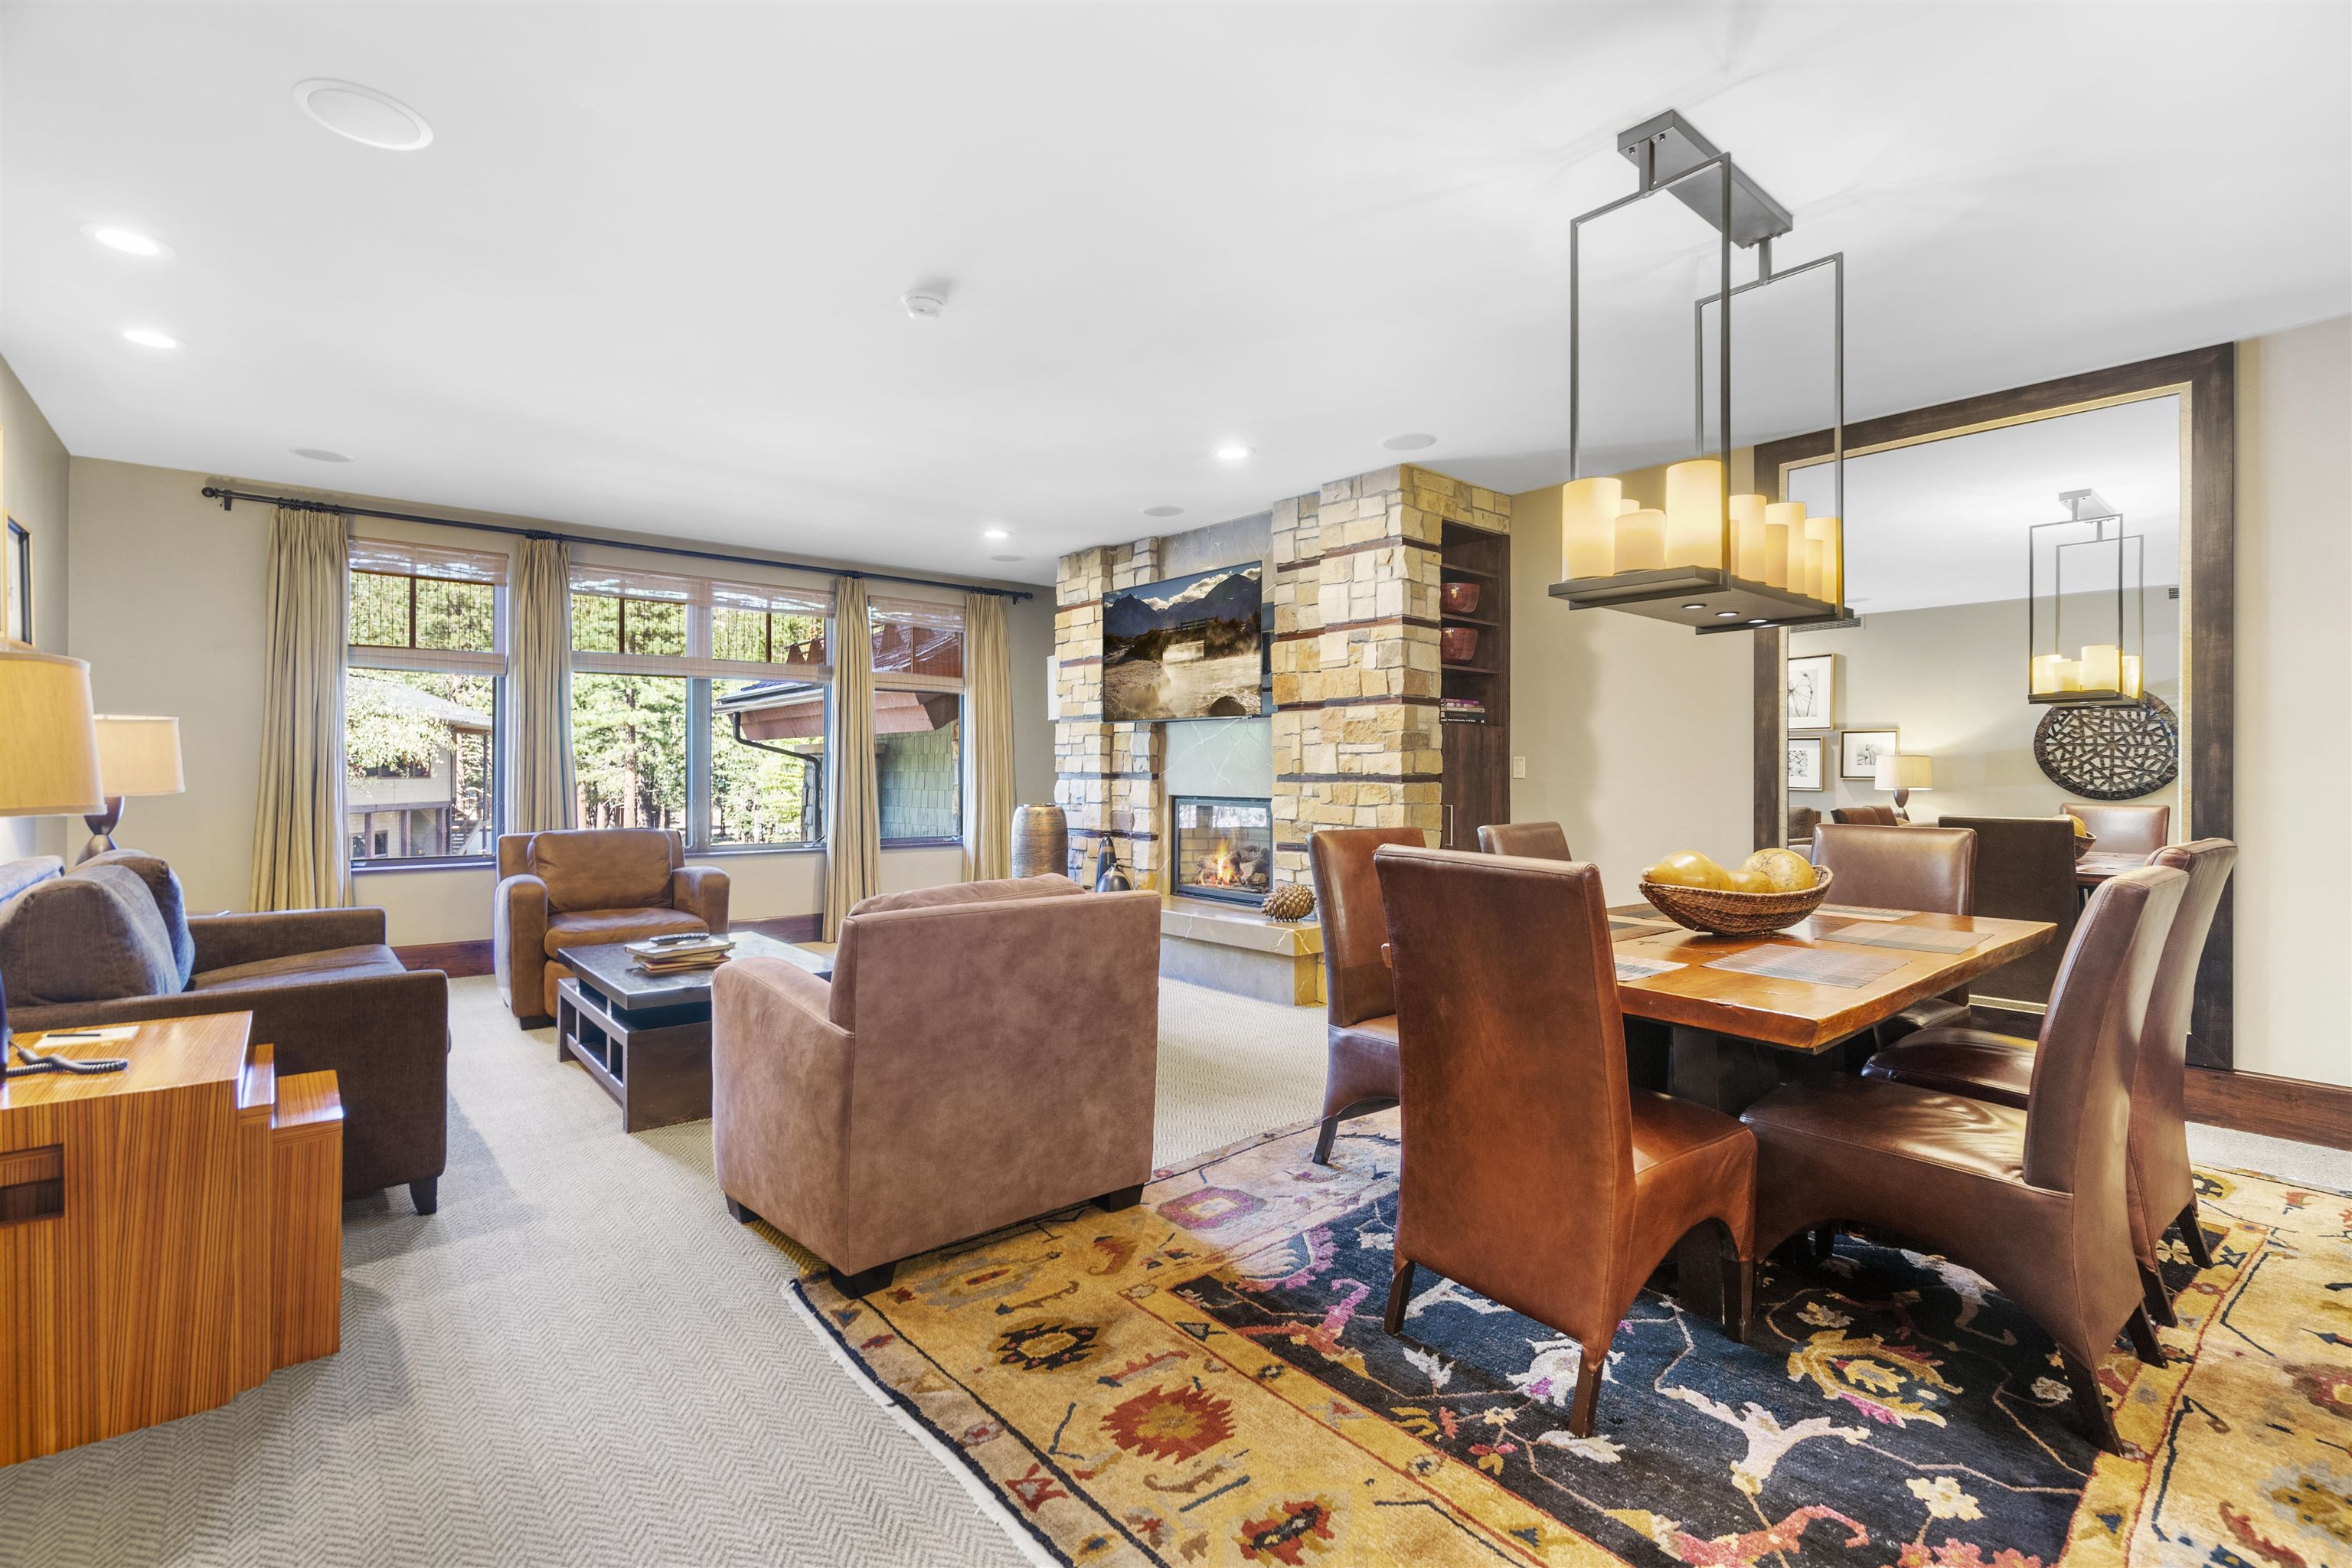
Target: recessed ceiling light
363,114
1759,621
149,338
994,533
128,241
1693,607
1163,511
320,454
1725,615
1411,443
1006,558
1232,452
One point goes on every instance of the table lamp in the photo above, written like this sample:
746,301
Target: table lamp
1904,771
48,747
136,755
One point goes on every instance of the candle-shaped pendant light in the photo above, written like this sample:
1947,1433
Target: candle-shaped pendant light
1671,541
2086,588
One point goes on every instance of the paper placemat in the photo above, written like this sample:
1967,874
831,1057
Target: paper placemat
1621,927
1863,913
1817,965
1920,939
1633,968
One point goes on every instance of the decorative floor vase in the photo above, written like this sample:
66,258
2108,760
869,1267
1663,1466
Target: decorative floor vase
1041,841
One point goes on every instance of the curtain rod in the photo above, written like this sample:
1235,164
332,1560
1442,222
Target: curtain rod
226,496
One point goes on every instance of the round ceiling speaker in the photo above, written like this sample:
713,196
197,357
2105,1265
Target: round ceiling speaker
1412,443
363,114
320,454
1163,511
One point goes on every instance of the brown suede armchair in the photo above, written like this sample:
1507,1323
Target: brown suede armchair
984,1053
587,888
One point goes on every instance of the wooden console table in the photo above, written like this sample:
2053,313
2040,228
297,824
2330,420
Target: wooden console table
170,1233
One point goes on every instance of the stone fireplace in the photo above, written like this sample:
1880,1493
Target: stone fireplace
1221,847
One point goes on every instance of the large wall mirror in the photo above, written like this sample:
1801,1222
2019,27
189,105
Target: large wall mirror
2041,587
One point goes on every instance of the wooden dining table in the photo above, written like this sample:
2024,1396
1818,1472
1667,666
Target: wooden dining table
1739,1031
2093,866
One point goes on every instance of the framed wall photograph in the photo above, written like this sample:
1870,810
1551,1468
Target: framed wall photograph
1811,692
1860,750
1806,763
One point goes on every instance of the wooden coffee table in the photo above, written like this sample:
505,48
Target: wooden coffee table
647,1038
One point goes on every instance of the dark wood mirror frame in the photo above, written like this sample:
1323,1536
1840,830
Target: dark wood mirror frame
2207,379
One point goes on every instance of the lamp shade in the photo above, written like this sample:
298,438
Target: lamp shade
48,746
139,755
1906,770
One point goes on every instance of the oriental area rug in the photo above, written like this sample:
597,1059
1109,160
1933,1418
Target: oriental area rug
1204,1379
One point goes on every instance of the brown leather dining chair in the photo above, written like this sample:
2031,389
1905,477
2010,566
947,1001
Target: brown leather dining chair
1532,1172
1874,815
2025,871
1929,868
2034,1200
2124,829
1999,1067
1528,840
1358,1002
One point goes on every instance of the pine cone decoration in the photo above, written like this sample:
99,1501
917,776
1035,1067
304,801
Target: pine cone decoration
1289,902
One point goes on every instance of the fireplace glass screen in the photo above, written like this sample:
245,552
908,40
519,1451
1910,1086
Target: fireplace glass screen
1224,849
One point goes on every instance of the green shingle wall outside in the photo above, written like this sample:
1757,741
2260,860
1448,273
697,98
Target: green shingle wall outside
921,783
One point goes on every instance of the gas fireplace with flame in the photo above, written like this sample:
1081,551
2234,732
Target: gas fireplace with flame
1223,847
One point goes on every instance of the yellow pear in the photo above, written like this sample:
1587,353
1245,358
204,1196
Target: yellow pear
2082,828
1689,869
1747,881
1786,870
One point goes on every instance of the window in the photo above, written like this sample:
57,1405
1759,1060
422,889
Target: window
918,766
17,584
699,705
425,668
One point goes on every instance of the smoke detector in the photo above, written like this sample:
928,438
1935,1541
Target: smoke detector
924,304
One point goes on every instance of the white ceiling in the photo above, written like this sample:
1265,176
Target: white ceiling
1945,523
647,274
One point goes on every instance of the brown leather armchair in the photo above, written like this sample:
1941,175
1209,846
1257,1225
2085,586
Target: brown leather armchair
585,887
2034,1200
1358,1002
1533,1173
1528,840
1871,815
1999,1067
1929,868
2024,871
984,1053
1803,820
2124,829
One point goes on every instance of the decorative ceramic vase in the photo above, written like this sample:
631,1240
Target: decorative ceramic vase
1109,878
1041,841
1459,645
1459,598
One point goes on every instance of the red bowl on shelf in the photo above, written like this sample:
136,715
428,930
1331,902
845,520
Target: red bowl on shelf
1459,598
1459,645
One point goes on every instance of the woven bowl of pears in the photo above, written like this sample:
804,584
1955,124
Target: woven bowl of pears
1772,891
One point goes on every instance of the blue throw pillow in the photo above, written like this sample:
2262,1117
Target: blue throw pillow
169,903
94,935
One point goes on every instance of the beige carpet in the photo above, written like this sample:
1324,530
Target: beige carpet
580,1361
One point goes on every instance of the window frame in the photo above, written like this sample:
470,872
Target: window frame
394,658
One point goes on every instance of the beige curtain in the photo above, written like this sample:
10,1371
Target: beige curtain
299,859
987,740
853,816
539,676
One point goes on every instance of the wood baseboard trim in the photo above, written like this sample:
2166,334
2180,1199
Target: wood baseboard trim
457,959
2276,1107
454,959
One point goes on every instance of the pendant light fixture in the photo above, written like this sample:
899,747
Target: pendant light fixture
2096,578
1691,551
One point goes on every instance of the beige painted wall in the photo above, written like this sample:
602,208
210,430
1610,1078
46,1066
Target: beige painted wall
1634,732
2294,703
169,615
33,490
1951,680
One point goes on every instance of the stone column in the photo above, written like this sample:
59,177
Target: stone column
1105,776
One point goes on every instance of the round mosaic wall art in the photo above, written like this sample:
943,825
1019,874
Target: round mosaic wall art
2110,754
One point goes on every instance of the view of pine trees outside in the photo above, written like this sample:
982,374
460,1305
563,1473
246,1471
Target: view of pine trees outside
628,750
419,746
761,796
